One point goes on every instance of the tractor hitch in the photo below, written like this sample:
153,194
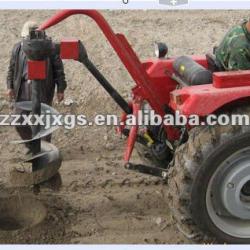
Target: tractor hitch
154,171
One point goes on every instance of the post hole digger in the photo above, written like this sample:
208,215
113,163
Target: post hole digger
45,159
208,167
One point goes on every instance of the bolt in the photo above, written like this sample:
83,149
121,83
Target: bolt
230,185
164,175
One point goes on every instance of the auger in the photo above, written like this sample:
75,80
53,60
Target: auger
45,159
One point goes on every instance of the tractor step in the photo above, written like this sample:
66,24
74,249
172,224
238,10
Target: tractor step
154,171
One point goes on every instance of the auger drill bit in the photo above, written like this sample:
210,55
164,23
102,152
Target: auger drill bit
46,159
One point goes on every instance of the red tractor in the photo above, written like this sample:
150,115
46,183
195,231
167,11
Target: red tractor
207,167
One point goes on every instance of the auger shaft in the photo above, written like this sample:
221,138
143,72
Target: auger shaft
36,110
37,48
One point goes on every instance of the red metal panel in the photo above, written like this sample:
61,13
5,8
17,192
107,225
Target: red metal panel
69,49
203,100
37,70
160,74
231,79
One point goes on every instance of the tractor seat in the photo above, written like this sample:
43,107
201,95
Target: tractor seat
188,72
213,64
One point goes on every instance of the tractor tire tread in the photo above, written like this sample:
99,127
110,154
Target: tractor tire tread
184,168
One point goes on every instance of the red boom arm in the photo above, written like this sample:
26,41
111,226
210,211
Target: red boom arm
123,50
143,91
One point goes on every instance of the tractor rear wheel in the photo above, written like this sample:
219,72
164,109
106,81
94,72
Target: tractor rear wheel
209,184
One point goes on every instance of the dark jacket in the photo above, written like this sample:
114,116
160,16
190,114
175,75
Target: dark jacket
55,74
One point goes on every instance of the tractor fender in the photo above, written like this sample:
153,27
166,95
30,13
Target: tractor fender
203,100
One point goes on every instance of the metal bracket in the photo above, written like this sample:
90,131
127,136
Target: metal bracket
154,171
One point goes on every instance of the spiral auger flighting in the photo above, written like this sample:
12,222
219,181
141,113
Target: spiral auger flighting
45,159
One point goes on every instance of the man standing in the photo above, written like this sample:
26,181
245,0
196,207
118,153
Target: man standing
19,87
234,51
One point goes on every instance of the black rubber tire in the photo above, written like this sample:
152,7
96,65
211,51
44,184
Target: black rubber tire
193,165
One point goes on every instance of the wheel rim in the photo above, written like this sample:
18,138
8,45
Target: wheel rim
228,195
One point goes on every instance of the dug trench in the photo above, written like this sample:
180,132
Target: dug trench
99,201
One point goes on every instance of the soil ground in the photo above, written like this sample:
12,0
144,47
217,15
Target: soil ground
100,201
